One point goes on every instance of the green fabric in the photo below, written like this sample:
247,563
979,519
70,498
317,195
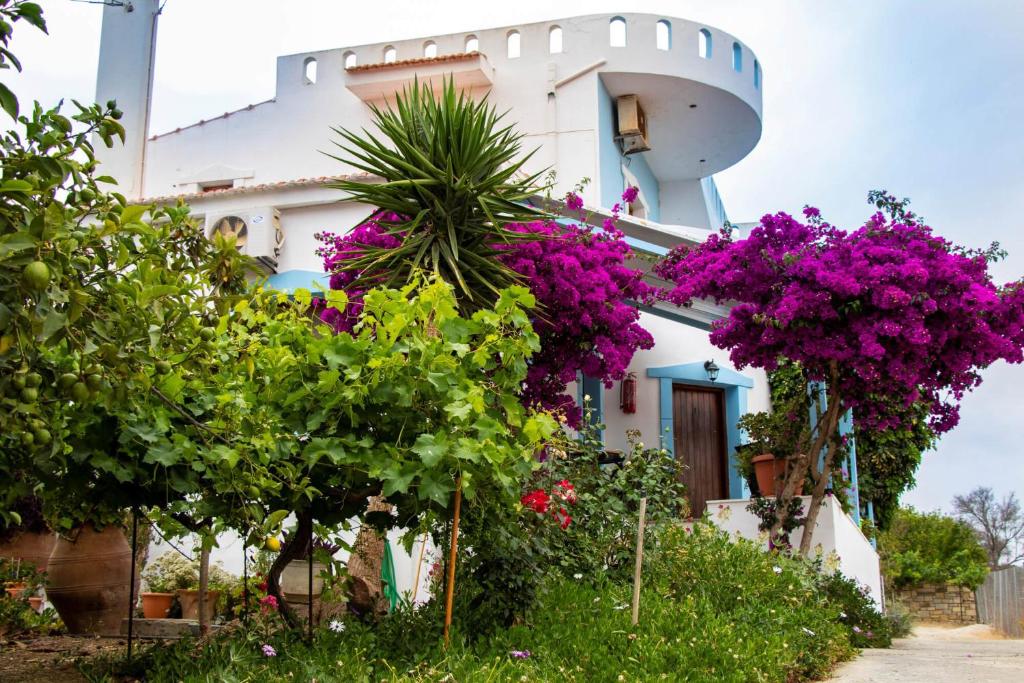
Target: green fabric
387,577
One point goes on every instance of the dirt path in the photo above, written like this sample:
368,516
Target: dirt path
932,654
51,659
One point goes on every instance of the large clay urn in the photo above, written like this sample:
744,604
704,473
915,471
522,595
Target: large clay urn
88,580
30,547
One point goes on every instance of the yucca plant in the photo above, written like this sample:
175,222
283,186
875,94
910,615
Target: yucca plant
453,181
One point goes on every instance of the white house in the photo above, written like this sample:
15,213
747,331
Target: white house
655,102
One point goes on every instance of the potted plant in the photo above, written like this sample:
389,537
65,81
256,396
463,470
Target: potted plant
772,439
295,577
162,578
183,579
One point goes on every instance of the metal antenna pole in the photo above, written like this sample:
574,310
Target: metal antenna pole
131,585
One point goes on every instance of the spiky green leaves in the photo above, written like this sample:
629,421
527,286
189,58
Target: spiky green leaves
453,179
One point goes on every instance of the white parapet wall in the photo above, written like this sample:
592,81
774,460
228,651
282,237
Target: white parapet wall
834,532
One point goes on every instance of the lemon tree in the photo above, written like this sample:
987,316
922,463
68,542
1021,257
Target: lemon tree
98,298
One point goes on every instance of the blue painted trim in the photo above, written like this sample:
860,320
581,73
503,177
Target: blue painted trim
694,373
734,386
611,160
290,280
819,401
648,247
853,492
669,315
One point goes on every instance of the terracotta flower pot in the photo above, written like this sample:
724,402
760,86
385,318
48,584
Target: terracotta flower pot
88,579
156,605
30,547
189,600
770,473
37,603
16,590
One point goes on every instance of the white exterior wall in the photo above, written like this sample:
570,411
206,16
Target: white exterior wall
675,344
834,531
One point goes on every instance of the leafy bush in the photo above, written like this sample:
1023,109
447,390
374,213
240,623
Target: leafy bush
867,625
588,528
17,618
601,539
929,547
711,609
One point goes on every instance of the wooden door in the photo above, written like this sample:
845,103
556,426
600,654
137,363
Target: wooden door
699,419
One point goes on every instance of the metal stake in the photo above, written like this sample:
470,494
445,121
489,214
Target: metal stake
131,585
245,584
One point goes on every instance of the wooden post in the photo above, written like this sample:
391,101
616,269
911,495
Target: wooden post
639,560
309,577
419,565
450,589
204,583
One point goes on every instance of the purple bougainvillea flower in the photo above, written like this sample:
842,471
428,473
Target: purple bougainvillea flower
585,290
905,315
269,651
520,654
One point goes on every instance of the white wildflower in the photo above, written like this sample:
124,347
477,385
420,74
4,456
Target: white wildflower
777,570
337,626
577,576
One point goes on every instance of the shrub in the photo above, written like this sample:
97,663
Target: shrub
711,609
17,618
576,518
601,539
929,547
868,627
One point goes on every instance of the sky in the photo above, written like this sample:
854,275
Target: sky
920,97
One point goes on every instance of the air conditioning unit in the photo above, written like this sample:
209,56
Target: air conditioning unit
632,135
257,233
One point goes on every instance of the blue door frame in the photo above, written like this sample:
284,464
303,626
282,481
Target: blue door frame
734,386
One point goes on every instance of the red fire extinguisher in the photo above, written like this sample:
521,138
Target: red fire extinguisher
627,394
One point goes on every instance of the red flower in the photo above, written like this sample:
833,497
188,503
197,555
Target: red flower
268,603
565,491
563,518
536,500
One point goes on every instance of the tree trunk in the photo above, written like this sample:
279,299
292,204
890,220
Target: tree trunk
824,435
204,586
295,548
816,497
364,564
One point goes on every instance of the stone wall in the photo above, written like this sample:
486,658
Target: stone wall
940,603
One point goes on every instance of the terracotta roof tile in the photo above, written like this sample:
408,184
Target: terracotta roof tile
201,122
254,189
457,57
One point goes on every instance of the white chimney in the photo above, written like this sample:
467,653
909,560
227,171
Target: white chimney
125,74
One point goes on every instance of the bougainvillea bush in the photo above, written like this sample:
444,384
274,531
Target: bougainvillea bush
889,313
579,274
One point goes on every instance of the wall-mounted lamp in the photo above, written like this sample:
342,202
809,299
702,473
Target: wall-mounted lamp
711,369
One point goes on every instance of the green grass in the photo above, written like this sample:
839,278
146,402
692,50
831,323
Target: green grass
711,610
